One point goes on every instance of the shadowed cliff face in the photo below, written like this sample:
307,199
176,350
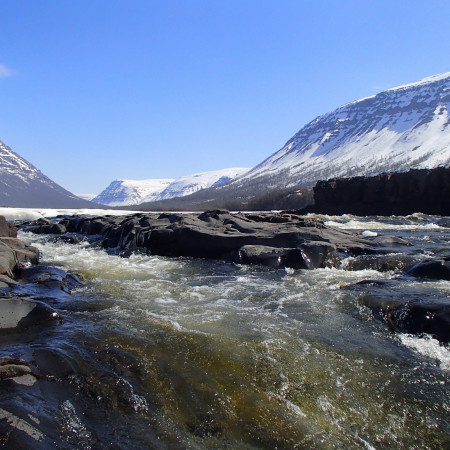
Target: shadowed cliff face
426,191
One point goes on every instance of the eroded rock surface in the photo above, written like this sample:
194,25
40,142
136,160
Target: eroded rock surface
277,240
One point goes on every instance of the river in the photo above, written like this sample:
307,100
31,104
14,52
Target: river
161,352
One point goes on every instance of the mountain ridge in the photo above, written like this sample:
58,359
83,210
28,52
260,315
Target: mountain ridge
23,185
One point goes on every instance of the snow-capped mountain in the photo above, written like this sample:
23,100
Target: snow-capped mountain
131,192
401,128
23,185
135,192
189,184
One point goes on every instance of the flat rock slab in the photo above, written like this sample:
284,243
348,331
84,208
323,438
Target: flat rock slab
299,242
17,314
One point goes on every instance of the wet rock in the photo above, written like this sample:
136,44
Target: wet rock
396,262
55,362
7,229
18,314
18,433
220,235
271,256
316,253
402,308
55,228
432,269
50,277
411,315
391,241
16,370
71,238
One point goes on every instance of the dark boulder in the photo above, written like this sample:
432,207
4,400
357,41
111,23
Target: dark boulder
411,315
271,256
315,253
400,305
432,269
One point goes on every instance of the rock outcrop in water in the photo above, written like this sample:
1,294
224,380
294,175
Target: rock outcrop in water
24,284
27,291
13,252
276,240
402,307
426,191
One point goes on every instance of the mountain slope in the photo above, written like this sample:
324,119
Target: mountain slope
24,186
135,192
396,130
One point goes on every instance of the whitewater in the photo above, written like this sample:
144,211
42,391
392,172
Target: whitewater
189,353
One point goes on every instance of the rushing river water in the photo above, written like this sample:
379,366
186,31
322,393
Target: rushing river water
184,353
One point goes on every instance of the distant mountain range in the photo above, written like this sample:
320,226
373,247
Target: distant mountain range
135,192
24,186
403,128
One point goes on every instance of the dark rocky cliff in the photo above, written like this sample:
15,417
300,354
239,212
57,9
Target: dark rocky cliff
420,190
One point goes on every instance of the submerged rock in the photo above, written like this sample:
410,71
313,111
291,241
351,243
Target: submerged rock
403,309
433,269
411,315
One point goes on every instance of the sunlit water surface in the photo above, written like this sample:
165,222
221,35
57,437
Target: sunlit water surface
184,353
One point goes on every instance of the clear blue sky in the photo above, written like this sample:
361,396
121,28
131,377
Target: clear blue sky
96,90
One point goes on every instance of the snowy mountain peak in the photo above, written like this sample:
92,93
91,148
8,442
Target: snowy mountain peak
135,192
131,192
402,128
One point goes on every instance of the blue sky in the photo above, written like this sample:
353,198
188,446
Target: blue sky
96,90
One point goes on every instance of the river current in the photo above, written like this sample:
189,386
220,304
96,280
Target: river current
186,353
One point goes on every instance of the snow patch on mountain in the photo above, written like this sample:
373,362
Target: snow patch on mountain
14,165
396,130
